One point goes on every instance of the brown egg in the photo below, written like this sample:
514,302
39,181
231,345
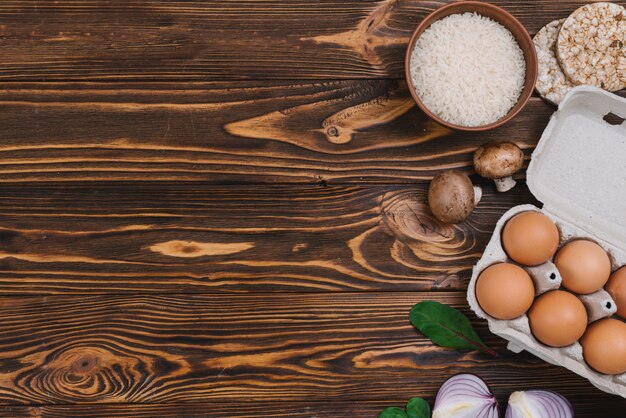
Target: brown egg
604,346
557,318
616,287
505,291
584,266
530,238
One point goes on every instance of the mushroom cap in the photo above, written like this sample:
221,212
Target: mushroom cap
451,196
497,160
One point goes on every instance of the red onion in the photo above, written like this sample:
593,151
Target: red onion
465,396
538,403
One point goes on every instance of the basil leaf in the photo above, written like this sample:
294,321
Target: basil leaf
446,327
418,408
392,412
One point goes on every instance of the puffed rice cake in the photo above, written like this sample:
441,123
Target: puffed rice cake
591,46
552,84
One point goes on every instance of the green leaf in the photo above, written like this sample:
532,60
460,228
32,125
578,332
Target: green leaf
446,327
418,408
392,412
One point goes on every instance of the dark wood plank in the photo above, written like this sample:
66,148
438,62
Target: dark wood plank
253,348
335,132
220,409
198,40
198,238
605,408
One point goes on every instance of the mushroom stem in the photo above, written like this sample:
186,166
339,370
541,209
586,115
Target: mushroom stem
504,184
498,161
478,194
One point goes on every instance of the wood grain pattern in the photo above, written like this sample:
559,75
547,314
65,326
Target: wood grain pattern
226,408
199,238
335,132
604,408
230,409
155,227
225,39
249,348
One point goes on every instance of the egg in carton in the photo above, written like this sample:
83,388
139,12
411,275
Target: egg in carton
578,171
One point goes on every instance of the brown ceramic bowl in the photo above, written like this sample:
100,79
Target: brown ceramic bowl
505,19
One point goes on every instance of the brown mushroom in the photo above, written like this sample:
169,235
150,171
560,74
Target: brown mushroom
498,161
452,197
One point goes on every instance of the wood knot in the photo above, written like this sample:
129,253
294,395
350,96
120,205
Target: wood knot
84,364
85,373
342,126
409,219
408,216
337,136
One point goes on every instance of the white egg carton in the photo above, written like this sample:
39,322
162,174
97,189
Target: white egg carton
578,171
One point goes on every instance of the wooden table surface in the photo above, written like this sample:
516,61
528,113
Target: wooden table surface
217,209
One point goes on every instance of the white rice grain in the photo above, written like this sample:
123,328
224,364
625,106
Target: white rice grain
468,69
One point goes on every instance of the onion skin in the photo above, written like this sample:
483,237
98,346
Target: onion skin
465,396
538,404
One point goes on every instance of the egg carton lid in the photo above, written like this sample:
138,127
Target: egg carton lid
578,169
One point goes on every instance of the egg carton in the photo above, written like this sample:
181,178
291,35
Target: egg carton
578,171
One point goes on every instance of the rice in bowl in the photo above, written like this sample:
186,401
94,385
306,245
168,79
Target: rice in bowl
468,69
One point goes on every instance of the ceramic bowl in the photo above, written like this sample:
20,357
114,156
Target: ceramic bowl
505,19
